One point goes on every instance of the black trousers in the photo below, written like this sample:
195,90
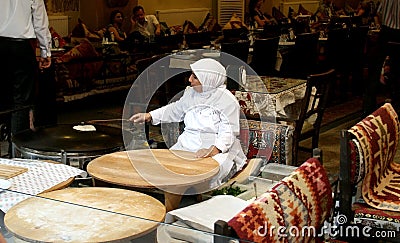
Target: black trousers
17,70
382,49
393,87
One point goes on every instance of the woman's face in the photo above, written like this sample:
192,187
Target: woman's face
118,18
259,3
195,83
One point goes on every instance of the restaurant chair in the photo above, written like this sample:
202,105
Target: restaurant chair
239,49
393,50
303,58
279,16
338,49
166,44
308,124
357,57
198,40
369,177
5,126
302,199
303,11
151,78
265,53
234,35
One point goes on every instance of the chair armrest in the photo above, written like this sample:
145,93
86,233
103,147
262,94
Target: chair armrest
221,228
252,168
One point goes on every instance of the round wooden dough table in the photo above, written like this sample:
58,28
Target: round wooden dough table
171,171
91,214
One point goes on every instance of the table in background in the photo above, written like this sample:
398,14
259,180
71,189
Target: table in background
270,96
85,215
158,168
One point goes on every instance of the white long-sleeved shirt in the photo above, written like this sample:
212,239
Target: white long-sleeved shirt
26,19
149,27
206,125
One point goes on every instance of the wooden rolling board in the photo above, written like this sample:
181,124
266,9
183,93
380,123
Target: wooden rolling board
85,215
9,171
152,168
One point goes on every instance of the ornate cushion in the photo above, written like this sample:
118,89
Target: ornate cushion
54,34
264,139
302,199
303,11
74,74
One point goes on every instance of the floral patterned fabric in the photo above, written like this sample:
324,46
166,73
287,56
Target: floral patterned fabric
269,140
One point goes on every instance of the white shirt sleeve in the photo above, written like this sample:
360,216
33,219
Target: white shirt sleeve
228,129
174,112
153,19
41,27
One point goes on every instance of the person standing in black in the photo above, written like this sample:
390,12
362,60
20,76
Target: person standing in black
389,18
21,24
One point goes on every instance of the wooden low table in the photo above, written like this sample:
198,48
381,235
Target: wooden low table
90,214
171,171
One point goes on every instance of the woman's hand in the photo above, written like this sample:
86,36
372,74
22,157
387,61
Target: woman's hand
204,153
141,117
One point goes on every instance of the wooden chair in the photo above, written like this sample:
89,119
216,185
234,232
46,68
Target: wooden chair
345,53
368,181
198,40
5,125
234,35
312,110
238,49
279,16
393,50
153,76
264,56
303,58
281,206
358,40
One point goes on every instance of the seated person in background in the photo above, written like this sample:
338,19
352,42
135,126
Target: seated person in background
81,31
367,12
325,10
211,116
147,25
116,19
257,17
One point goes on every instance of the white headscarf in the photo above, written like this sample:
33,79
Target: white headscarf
210,73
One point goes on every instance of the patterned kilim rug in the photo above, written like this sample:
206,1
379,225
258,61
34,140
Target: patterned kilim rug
300,200
378,135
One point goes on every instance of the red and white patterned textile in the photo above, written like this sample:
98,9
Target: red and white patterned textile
300,201
378,136
39,177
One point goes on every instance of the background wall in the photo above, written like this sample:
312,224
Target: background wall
96,13
150,6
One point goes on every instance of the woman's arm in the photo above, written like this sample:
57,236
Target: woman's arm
141,117
260,22
210,152
117,37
